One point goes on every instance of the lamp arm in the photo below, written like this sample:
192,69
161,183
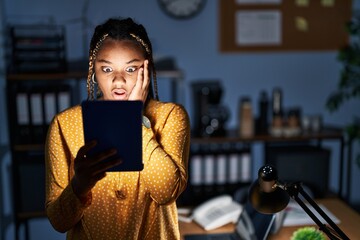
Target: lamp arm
293,190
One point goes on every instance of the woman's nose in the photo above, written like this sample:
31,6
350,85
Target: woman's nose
119,77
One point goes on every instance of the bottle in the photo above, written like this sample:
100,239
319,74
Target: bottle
277,112
277,102
263,113
246,118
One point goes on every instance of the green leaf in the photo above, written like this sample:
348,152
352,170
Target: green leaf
307,233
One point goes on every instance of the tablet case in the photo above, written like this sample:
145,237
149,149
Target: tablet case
115,124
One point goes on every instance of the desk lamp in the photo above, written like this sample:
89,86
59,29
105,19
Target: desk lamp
268,195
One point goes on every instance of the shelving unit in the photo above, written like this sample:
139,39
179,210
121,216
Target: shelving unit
215,168
37,48
30,108
200,191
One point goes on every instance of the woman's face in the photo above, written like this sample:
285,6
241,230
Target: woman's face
116,68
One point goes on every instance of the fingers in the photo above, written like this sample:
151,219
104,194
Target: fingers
140,80
86,148
146,80
83,156
98,158
90,169
140,90
84,164
97,172
104,164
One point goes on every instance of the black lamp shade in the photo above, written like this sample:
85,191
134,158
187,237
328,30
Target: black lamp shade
264,195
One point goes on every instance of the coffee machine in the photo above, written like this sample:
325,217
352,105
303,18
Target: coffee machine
209,115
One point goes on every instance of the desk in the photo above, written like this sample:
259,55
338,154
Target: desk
349,222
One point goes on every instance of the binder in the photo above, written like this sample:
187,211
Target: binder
233,168
64,100
245,175
23,118
22,109
195,173
37,117
221,164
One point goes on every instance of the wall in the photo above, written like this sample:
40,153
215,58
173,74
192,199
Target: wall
306,78
4,156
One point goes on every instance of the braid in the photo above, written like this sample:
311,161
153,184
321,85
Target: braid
151,61
92,58
121,29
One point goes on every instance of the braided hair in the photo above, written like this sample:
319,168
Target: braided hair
120,29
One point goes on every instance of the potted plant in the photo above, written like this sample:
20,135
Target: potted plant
308,233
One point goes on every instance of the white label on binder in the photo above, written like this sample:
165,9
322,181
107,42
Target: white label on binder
64,100
245,167
195,177
36,109
50,106
233,168
209,163
221,169
22,109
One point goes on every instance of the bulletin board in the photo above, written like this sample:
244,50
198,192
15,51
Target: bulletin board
283,25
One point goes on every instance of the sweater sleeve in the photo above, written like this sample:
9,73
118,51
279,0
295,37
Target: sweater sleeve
63,208
166,153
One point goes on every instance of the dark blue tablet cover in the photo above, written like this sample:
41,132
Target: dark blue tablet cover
115,124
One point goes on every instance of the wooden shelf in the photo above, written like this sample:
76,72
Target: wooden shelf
233,136
327,133
79,75
28,147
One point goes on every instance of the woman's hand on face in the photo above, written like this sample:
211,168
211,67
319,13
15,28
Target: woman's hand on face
140,90
89,170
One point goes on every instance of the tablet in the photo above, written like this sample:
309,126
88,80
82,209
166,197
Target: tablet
115,124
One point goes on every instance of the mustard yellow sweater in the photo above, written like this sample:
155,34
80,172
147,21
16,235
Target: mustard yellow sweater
123,205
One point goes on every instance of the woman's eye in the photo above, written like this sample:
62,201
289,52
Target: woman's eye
107,69
131,69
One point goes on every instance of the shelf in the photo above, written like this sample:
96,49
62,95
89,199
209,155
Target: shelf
233,136
37,48
28,147
78,75
327,133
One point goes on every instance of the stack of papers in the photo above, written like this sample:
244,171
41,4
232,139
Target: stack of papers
295,215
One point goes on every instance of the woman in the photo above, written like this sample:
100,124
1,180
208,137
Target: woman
83,199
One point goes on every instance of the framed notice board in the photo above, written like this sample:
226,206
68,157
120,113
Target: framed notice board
283,25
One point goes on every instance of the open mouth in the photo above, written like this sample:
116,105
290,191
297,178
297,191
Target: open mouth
119,94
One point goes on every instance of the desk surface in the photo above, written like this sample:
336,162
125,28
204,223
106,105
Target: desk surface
349,222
